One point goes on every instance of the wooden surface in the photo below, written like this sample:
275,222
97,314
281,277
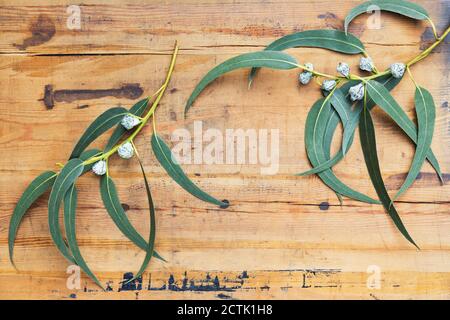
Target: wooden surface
283,236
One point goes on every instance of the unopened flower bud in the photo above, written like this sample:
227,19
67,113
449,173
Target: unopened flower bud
366,64
356,92
397,70
305,76
129,121
126,150
343,69
328,85
99,168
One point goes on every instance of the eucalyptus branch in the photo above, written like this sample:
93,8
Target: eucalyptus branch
344,90
149,114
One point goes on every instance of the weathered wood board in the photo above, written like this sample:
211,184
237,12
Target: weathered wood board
283,237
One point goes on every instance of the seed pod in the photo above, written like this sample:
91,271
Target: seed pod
343,69
126,150
356,92
366,64
99,168
398,69
328,85
129,121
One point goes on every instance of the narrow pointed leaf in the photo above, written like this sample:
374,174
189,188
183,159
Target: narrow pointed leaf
37,187
268,59
70,205
69,173
166,159
368,143
343,110
314,133
426,115
103,123
389,83
405,8
334,40
114,208
381,96
138,110
351,117
152,236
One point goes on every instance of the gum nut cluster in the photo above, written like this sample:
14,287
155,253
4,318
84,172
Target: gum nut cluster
126,150
99,168
305,76
398,69
328,85
129,121
356,92
343,69
366,64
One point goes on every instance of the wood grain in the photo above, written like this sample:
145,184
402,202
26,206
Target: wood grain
283,236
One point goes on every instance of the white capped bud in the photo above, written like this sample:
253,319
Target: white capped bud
328,85
99,168
398,69
305,76
356,92
129,121
343,69
126,150
366,64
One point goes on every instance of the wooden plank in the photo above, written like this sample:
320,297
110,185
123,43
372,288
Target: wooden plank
289,234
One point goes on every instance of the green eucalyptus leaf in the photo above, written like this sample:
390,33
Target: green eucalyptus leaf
101,124
426,115
69,173
138,110
314,134
113,206
152,236
381,96
334,40
368,143
166,159
70,206
389,83
343,110
268,59
405,8
37,187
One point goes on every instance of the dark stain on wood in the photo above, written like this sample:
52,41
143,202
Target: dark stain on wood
129,91
331,20
42,30
324,206
395,181
125,207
